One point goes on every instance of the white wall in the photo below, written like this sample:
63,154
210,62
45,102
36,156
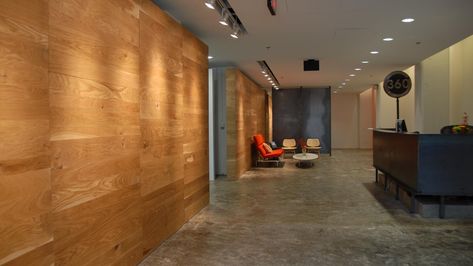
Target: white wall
385,108
211,127
366,118
432,99
445,87
461,81
345,132
407,103
442,90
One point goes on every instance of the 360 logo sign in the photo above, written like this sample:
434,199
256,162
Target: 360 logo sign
397,84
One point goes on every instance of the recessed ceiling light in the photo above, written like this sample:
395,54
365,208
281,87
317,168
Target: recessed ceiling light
357,69
408,20
210,4
365,62
234,35
210,57
266,75
388,39
262,71
352,75
269,78
335,91
344,84
374,52
340,87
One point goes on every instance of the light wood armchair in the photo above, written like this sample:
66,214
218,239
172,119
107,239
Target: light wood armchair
313,145
289,146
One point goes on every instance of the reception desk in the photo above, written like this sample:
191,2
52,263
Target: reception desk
425,164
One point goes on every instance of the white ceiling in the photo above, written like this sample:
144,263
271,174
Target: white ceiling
340,33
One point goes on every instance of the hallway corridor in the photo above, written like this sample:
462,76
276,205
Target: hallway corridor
331,214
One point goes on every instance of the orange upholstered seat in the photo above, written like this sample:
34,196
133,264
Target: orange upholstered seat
264,154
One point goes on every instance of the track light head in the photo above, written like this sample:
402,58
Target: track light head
236,30
235,34
210,4
228,17
224,19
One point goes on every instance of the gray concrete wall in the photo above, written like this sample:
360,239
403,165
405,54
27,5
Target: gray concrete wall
301,114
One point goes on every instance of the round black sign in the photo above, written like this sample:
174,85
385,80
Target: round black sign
397,84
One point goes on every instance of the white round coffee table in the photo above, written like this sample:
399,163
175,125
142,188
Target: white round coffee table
305,158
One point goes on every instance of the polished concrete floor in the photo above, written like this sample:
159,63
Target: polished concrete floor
331,214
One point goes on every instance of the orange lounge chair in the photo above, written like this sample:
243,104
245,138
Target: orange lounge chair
266,154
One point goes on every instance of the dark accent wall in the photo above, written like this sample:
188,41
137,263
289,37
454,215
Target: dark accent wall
301,114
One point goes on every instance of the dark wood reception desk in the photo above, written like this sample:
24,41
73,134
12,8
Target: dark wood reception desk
425,164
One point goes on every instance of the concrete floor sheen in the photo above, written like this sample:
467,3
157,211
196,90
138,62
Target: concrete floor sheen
331,214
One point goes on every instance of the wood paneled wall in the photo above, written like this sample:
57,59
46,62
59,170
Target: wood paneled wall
174,125
95,131
246,116
195,111
25,187
103,130
269,117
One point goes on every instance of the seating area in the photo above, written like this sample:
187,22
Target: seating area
289,145
268,153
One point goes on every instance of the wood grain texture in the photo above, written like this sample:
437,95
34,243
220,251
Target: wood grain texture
195,144
161,116
25,189
269,117
103,130
100,232
173,124
246,116
95,131
41,255
163,214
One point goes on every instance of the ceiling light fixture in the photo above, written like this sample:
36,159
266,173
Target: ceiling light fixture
343,83
365,62
357,69
374,52
210,57
210,4
224,19
388,39
352,75
235,34
228,17
269,74
408,20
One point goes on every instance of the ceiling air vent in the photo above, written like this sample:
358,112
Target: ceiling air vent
311,65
